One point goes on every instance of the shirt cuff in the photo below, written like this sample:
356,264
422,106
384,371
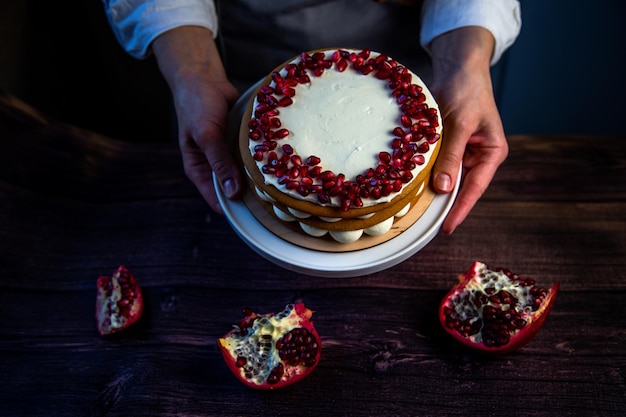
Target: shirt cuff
501,17
136,23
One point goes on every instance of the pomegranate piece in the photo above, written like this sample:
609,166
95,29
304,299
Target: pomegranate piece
270,351
495,311
119,302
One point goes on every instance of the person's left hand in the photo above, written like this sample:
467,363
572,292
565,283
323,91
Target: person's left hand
473,135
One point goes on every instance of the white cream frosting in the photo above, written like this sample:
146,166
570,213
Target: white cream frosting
345,119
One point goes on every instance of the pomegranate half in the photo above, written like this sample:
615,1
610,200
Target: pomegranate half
495,311
270,351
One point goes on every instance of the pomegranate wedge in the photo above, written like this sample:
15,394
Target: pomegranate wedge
119,302
495,311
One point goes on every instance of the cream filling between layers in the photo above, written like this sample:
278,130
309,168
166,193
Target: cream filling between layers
340,236
346,119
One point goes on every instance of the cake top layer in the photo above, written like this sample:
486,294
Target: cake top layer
343,128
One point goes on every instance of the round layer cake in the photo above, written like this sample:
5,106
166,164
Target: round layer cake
340,142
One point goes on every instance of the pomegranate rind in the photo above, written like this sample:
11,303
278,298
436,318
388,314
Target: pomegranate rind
299,317
109,317
534,320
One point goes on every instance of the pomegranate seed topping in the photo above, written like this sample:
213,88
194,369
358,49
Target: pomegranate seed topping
292,185
423,147
341,65
315,171
312,160
287,149
285,101
296,160
281,133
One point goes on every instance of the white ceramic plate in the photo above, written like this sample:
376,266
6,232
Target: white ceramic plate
329,264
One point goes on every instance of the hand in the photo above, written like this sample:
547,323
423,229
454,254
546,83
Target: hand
473,132
202,95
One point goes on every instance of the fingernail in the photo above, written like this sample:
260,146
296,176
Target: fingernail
442,182
230,188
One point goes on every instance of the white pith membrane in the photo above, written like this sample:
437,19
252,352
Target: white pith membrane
257,344
346,119
487,284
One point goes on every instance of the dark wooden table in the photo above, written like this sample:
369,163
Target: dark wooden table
75,205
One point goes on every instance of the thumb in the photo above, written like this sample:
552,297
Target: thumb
446,169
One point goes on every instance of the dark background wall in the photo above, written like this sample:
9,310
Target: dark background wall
564,75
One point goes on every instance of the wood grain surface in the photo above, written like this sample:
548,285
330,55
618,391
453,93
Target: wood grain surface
74,205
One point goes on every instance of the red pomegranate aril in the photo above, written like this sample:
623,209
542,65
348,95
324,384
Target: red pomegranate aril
281,134
315,171
256,134
271,144
294,172
384,157
287,149
423,147
268,169
285,101
266,89
341,65
292,185
296,160
312,160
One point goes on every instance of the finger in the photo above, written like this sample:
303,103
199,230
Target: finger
446,169
473,186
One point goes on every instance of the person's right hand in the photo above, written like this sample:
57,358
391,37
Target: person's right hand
202,96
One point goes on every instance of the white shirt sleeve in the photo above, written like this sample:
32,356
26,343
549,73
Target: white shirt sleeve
136,23
501,17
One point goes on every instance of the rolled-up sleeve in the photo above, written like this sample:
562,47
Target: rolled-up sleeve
136,23
501,17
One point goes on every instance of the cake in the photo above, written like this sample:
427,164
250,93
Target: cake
339,143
